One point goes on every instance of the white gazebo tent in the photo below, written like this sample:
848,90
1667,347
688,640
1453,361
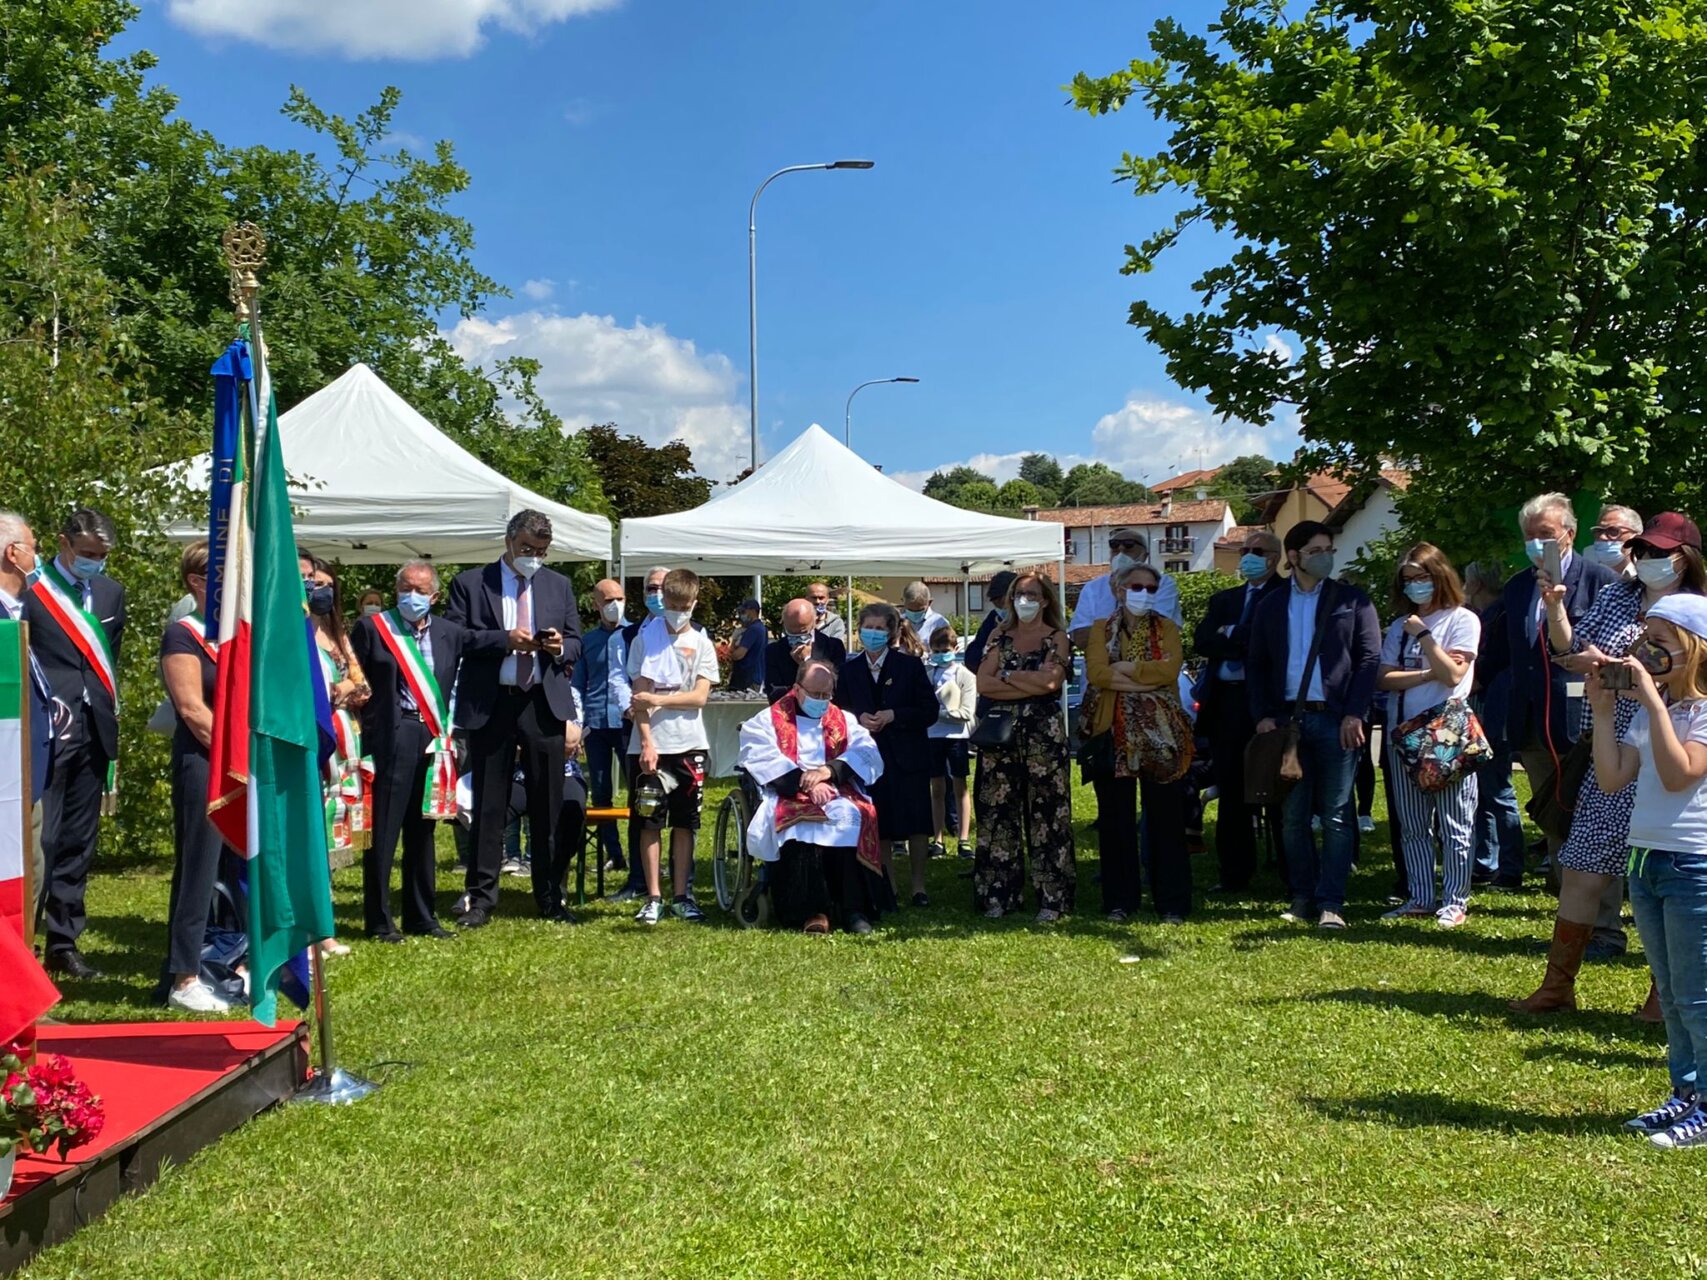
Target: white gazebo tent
373,482
819,508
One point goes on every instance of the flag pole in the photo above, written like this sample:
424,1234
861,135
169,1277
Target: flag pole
245,251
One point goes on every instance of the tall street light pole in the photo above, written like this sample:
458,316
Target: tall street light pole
847,439
847,425
753,307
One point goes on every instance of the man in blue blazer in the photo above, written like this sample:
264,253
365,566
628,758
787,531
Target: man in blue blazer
1331,702
1538,720
519,698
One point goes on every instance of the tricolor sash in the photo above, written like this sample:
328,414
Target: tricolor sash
63,601
197,628
438,797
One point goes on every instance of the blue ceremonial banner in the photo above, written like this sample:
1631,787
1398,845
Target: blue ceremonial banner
231,372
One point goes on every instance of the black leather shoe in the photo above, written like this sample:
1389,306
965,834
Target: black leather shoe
562,915
475,919
859,925
71,964
437,931
391,937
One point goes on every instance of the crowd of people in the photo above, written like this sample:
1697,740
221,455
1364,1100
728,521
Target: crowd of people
487,701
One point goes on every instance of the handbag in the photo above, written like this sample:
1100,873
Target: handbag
1159,737
1439,746
1272,763
994,728
1096,757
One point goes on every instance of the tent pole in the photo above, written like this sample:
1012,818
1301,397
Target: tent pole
1066,714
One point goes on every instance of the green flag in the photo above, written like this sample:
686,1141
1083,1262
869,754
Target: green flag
290,886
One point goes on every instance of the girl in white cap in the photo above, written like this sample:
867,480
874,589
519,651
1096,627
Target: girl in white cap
1665,751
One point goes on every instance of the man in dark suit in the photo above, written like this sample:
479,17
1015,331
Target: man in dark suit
519,698
18,568
76,617
1224,712
892,696
800,641
1538,723
396,730
1331,698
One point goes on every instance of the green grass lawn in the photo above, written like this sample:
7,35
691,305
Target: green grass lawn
952,1097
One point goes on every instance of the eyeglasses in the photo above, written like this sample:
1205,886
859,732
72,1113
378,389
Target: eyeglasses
531,548
1029,599
1257,551
1642,551
1613,533
1124,545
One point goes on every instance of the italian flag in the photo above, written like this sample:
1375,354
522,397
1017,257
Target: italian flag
266,723
25,990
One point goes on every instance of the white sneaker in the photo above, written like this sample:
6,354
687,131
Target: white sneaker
198,997
1365,823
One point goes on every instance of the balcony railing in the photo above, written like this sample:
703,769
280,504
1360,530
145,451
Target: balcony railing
1177,546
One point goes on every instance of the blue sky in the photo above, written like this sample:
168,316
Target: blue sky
614,145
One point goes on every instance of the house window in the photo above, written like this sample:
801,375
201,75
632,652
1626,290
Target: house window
1177,566
1178,531
975,598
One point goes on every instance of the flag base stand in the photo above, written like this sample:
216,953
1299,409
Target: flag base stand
328,1083
337,1088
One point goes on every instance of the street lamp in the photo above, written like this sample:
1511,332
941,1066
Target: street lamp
847,425
753,303
847,439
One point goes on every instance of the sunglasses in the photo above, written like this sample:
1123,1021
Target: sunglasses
1125,546
1142,586
1642,551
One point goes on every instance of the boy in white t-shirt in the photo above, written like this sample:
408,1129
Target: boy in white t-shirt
671,666
1665,752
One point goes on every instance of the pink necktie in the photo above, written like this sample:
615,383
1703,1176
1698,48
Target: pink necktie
524,622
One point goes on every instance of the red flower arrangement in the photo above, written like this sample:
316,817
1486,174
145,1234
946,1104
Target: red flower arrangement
44,1105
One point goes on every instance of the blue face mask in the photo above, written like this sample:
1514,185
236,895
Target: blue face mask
873,639
655,603
944,658
798,642
1252,566
1535,549
413,605
84,568
916,616
814,707
1419,592
1001,615
1609,554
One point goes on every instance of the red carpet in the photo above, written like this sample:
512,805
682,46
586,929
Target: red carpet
143,1072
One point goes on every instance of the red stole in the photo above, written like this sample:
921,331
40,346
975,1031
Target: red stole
799,807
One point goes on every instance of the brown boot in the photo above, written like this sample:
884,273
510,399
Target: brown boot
1650,1010
1558,990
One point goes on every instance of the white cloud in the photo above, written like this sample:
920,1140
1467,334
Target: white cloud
1148,438
1274,344
581,111
649,383
540,290
415,29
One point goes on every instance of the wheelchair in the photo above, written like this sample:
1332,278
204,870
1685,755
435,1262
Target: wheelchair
741,880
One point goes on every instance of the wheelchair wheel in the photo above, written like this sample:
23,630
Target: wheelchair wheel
731,868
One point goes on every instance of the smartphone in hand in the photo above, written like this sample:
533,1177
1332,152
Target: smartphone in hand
1617,676
1552,563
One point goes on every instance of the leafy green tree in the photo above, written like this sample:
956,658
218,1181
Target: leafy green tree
1194,592
1043,471
942,485
1096,484
1016,495
640,479
1241,481
1480,224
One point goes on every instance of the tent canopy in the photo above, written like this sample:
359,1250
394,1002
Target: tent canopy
818,507
373,482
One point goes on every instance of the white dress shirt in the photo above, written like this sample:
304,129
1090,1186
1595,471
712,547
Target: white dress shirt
1301,631
514,586
1096,602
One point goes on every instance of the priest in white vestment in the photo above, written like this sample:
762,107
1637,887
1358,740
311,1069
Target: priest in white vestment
815,823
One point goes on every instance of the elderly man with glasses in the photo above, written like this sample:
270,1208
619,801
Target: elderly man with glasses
1127,547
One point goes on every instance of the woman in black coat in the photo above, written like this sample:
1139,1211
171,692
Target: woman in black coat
892,697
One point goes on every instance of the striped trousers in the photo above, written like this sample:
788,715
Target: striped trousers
1445,820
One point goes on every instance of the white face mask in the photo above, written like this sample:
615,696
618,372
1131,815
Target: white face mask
1027,609
527,566
1138,603
611,611
676,619
1122,561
